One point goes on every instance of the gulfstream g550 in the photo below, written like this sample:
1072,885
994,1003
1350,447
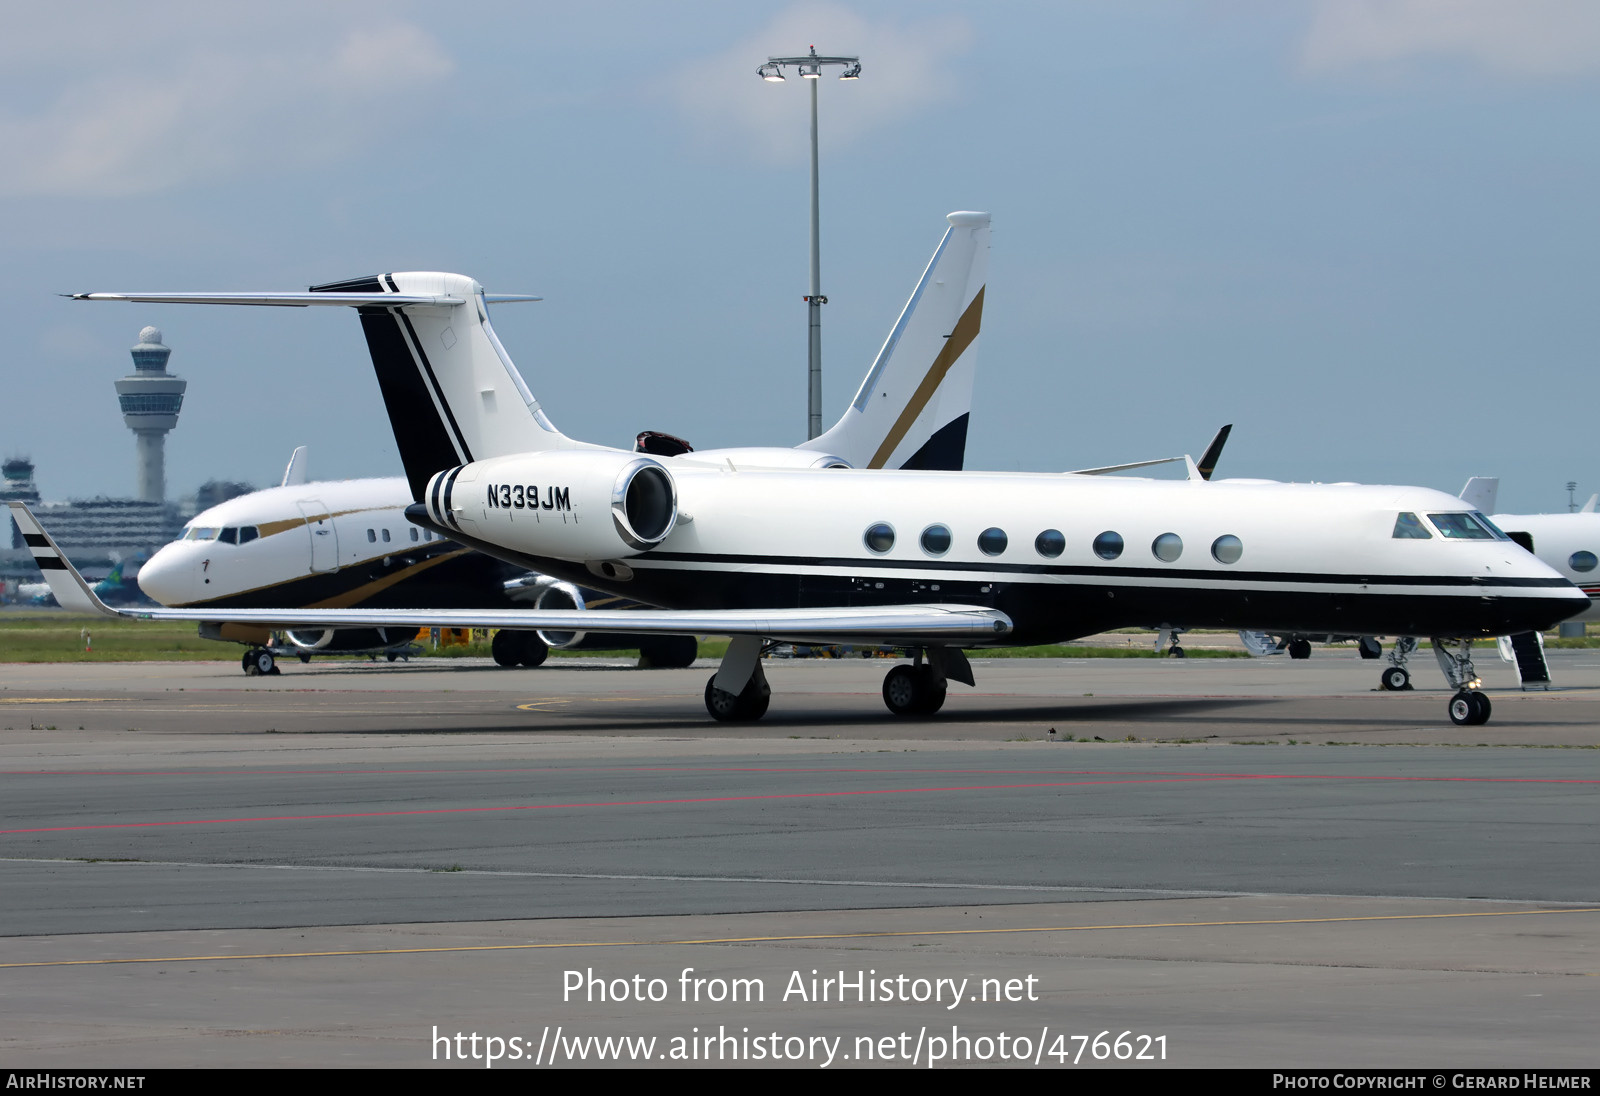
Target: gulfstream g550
764,549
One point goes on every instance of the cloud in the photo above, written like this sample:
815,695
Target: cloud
135,106
904,70
1523,38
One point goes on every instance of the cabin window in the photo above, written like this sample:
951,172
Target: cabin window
880,537
1582,561
1050,543
413,534
936,540
1410,527
229,535
1108,545
991,542
386,536
372,536
1227,549
1460,527
1167,547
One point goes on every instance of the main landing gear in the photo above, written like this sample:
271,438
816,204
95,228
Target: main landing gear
258,661
739,692
511,648
1396,677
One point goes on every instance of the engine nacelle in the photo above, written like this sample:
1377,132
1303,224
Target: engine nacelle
331,640
572,504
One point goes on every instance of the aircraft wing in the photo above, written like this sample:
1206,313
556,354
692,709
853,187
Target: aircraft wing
298,300
888,623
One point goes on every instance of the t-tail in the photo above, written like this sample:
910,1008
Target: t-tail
912,408
451,390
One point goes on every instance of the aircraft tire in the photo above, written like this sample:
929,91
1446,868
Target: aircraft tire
261,662
245,663
1395,679
1481,708
1463,712
749,706
505,648
532,651
1299,649
1177,652
913,690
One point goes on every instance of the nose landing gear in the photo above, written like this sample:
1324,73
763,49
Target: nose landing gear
1469,707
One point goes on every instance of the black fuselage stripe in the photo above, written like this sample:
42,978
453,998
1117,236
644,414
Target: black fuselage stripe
997,570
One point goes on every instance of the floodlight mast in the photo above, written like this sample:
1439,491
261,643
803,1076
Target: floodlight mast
810,67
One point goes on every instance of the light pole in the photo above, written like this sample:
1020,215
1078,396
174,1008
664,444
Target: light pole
810,68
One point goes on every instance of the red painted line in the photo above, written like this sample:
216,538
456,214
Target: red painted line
579,806
700,769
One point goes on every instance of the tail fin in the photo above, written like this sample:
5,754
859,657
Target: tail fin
1481,493
70,590
912,408
452,393
295,473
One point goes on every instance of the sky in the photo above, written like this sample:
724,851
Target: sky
1363,231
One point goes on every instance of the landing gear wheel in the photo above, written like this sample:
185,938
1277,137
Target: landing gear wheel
1480,708
258,661
913,690
1395,679
391,655
669,652
1469,708
304,657
1176,652
533,651
749,706
1369,647
505,648
1299,649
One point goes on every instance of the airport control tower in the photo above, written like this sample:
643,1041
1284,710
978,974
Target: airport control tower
151,399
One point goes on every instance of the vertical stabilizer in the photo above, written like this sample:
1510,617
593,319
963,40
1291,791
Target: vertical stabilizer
1481,493
912,408
452,393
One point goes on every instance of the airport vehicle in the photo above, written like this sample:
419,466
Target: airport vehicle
931,562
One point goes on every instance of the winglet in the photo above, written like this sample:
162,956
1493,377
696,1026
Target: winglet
1207,463
70,591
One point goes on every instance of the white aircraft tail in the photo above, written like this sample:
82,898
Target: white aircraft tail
912,408
451,390
295,473
1481,493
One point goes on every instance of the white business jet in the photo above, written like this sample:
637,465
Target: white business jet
348,543
932,562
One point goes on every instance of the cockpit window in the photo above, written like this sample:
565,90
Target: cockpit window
1410,527
1460,527
229,535
1499,534
197,532
247,533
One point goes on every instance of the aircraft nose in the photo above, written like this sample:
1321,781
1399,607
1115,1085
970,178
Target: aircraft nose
168,576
